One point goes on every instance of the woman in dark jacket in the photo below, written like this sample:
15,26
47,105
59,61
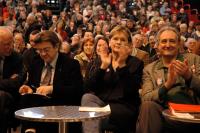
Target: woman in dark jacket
116,82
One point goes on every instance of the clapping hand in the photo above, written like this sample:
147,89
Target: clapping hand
182,69
171,76
105,59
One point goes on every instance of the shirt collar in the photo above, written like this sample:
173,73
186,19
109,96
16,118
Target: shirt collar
161,65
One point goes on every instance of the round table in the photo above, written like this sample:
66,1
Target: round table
168,114
60,114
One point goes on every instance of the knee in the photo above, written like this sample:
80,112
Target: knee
5,96
5,99
86,98
150,106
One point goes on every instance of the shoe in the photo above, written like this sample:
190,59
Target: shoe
30,130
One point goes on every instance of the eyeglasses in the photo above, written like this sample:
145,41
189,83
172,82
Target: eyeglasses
164,41
44,50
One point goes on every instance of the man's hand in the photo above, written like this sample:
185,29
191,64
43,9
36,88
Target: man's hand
44,90
171,77
14,76
24,89
183,69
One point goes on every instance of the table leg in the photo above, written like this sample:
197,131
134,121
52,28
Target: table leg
63,127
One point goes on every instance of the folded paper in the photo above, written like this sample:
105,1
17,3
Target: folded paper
95,109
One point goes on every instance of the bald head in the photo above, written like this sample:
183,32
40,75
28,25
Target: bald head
5,30
6,41
137,40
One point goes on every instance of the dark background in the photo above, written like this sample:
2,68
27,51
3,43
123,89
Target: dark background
194,4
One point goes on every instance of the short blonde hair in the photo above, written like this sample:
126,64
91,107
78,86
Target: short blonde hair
123,29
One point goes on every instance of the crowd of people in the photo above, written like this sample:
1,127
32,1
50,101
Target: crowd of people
135,55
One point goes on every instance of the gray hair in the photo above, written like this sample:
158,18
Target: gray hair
189,40
168,28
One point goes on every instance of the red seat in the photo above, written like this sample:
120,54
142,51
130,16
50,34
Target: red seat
187,8
198,17
193,17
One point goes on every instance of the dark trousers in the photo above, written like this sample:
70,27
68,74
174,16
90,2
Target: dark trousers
151,120
6,110
32,100
121,120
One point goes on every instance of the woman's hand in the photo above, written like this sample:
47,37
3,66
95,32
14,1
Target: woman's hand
105,60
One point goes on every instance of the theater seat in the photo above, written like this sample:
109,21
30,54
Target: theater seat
187,8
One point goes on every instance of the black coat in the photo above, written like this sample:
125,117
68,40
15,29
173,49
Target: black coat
12,65
119,89
67,82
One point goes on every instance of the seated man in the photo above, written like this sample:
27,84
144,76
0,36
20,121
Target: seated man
51,74
10,77
115,82
174,78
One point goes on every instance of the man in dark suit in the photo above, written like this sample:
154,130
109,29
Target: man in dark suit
10,77
64,86
30,53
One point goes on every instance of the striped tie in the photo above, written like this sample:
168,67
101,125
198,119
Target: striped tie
47,77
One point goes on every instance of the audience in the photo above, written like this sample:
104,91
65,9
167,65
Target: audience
85,56
101,46
81,20
142,55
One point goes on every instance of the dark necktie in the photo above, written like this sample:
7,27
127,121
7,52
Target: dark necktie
47,77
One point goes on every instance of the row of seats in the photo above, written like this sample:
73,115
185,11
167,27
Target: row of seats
193,14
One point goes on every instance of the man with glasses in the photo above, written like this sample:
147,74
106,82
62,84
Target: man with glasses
53,77
173,78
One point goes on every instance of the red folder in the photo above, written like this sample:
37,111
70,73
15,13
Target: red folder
189,108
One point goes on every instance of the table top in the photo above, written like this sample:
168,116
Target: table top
58,114
168,114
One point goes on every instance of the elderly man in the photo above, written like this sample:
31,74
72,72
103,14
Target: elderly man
10,77
137,52
174,78
19,44
193,46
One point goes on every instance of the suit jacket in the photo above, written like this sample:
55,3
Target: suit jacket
154,77
67,82
142,55
28,56
12,65
149,50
